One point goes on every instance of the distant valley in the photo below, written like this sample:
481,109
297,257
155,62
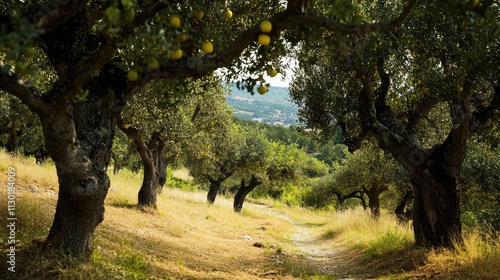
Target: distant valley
274,107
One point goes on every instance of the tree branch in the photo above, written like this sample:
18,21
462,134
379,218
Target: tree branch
90,66
29,95
199,66
134,134
335,26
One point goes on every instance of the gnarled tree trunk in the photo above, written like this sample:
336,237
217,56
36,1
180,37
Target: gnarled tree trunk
78,138
155,173
154,164
243,191
373,194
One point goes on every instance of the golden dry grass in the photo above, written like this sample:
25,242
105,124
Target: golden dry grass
187,239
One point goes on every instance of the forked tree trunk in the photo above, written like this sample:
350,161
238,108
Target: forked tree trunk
243,191
154,164
373,194
154,171
341,198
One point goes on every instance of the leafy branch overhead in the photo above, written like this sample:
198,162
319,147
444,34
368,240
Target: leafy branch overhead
101,44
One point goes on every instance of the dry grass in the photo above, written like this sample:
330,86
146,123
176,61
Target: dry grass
184,239
187,239
480,259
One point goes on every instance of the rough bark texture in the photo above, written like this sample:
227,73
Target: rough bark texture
79,141
434,172
243,191
78,132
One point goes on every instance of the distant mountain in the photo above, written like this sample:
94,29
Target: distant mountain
274,107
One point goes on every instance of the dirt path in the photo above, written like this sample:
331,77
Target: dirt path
326,258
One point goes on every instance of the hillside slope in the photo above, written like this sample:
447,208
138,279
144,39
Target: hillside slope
188,239
274,107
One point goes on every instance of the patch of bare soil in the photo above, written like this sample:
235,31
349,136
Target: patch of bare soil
320,257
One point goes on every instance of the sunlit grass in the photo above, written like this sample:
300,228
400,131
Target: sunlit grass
185,238
479,259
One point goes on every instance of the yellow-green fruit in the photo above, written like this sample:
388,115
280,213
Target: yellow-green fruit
262,89
266,26
272,72
264,39
177,54
484,104
126,126
29,52
228,14
153,63
132,75
475,3
175,21
207,47
198,14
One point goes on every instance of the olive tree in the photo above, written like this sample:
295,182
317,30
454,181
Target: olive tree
420,91
100,53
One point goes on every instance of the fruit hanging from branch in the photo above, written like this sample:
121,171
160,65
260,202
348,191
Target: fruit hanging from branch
266,26
262,89
207,47
264,39
175,21
177,54
228,14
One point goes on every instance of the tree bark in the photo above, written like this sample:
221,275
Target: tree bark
434,172
154,164
214,189
243,191
436,208
215,185
373,194
78,138
154,171
400,209
355,194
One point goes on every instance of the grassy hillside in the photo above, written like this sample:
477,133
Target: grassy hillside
187,239
272,107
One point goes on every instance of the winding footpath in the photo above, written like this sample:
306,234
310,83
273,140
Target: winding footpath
326,258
